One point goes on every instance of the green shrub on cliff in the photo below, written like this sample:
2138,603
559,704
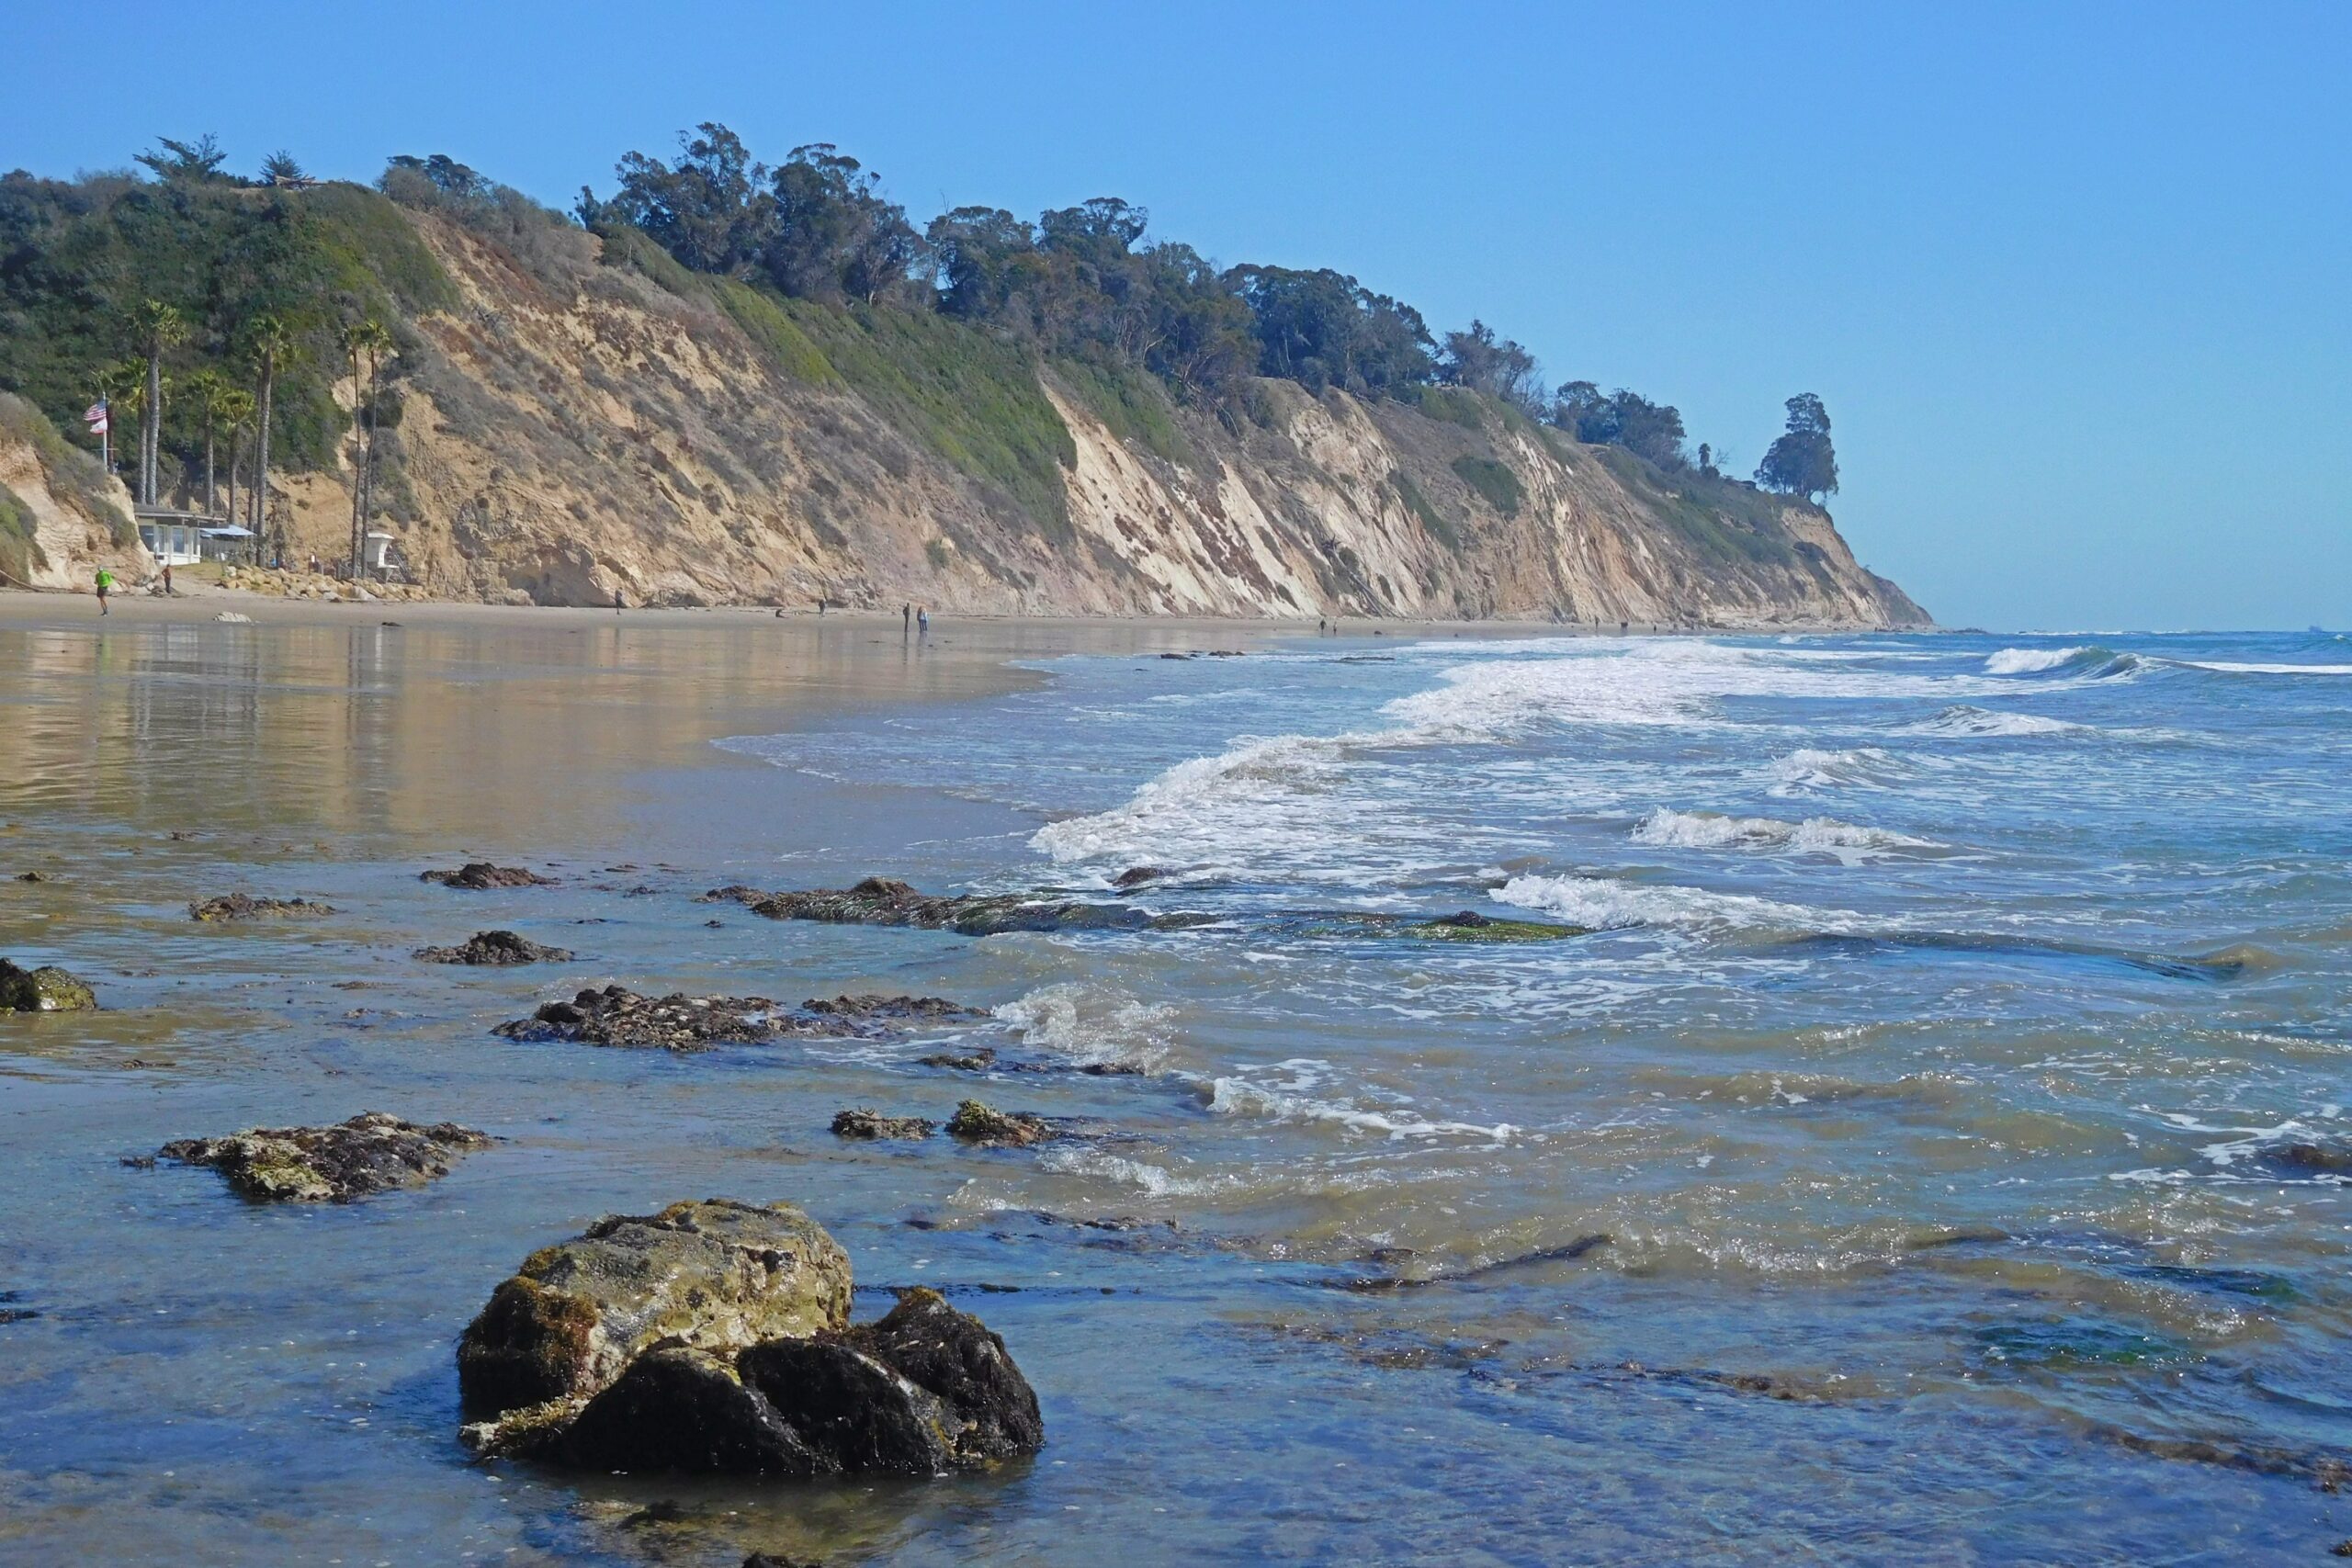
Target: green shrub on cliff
79,259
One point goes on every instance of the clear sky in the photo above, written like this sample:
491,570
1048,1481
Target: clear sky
2075,280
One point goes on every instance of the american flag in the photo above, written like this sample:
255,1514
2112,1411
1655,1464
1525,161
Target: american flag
95,414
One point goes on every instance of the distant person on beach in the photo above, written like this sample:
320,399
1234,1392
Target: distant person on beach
820,606
922,620
106,583
906,619
167,579
617,599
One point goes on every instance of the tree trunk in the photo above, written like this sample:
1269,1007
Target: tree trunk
261,452
234,444
151,427
210,509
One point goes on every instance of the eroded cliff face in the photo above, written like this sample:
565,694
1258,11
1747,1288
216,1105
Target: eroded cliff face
572,430
60,530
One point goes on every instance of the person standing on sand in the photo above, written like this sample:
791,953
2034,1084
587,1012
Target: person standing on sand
106,583
906,619
167,579
923,622
617,599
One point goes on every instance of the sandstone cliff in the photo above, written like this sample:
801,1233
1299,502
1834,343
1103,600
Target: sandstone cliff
576,424
61,516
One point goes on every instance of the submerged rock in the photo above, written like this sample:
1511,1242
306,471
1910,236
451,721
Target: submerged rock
480,874
245,907
45,989
869,1124
1139,875
974,1062
614,1016
1471,926
711,1276
881,901
368,1154
495,948
713,1338
992,1129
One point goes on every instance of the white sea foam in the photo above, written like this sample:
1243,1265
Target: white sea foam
1864,767
1814,835
1157,1180
1092,1025
2027,661
1240,1097
2230,669
1606,904
1966,723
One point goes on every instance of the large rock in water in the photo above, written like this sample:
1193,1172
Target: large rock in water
477,875
716,1275
614,1016
45,989
653,1345
368,1154
500,947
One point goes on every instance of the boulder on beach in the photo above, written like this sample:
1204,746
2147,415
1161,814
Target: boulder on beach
480,874
713,1338
992,1129
371,1153
45,989
872,1124
501,947
245,907
616,1016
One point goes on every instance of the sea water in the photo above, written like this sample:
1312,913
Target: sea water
1924,1137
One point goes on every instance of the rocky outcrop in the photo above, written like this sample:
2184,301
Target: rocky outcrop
714,1337
881,901
371,1153
45,989
616,1016
61,516
868,1125
480,874
245,907
987,1127
495,948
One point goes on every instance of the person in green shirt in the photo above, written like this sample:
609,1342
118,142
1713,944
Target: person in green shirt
106,582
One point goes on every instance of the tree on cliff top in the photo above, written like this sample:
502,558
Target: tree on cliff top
1801,461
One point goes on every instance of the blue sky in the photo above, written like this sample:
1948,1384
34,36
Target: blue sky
2075,280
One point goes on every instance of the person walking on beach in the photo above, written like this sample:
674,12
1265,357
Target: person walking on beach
616,598
167,579
923,622
105,584
906,619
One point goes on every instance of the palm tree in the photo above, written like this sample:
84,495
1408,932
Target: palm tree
211,390
160,327
234,414
365,342
121,386
271,338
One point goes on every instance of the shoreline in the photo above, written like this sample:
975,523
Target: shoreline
34,606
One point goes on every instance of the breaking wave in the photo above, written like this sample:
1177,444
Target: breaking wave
1963,722
1814,835
1288,1102
1092,1025
1605,904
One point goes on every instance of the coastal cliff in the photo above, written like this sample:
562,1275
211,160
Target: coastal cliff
572,430
568,415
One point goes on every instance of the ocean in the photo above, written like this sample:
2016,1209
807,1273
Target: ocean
1922,1135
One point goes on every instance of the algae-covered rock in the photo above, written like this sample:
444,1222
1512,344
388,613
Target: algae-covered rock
992,1129
45,989
1471,926
501,947
245,907
614,1016
480,876
881,901
872,1124
715,1275
682,1409
371,1153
